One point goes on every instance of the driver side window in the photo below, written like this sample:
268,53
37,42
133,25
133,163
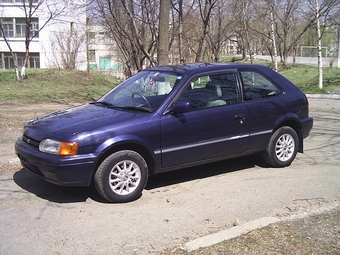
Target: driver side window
211,91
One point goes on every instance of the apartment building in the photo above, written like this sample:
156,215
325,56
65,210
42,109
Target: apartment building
59,28
102,53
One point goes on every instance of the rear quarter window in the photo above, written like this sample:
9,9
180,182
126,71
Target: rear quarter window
257,86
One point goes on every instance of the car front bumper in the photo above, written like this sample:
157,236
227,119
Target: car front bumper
67,171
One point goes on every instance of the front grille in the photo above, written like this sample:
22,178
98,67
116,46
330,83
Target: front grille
31,142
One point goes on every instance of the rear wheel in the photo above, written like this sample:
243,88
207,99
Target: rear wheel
121,177
282,147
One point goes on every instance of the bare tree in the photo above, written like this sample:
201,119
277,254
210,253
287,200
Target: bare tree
220,31
205,14
322,11
200,28
286,17
243,15
66,47
133,25
182,28
179,9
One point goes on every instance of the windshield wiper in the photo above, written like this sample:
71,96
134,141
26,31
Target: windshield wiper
136,108
109,105
102,103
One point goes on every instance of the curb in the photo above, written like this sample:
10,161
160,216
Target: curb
233,232
323,96
229,233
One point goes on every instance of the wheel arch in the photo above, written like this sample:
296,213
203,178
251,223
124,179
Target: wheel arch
140,149
295,124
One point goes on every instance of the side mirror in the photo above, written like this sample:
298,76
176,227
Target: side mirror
179,107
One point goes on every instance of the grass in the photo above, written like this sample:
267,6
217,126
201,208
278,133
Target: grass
73,86
53,85
307,78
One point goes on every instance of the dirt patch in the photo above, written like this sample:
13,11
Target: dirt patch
13,117
12,120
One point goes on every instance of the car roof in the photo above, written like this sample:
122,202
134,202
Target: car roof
204,67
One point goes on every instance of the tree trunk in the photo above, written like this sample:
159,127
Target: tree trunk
273,40
15,60
163,35
245,27
180,32
206,19
23,68
319,44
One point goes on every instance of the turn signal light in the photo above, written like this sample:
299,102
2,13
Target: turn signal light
68,148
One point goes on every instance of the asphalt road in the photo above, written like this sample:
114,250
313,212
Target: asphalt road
37,217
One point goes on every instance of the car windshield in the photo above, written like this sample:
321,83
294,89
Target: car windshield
144,91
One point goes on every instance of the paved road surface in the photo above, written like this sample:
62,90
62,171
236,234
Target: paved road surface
37,217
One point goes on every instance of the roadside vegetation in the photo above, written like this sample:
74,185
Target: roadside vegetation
54,86
73,86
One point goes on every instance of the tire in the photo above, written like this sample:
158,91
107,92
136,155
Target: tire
121,177
282,147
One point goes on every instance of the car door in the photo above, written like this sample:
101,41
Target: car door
217,124
266,103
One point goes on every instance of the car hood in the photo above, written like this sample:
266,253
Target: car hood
75,120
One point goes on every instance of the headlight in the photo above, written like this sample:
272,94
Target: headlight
58,148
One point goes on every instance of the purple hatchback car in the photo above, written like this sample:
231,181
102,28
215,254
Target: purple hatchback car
166,118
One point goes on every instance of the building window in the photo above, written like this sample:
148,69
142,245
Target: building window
7,62
92,37
8,26
92,56
16,27
34,27
104,38
72,27
20,25
34,60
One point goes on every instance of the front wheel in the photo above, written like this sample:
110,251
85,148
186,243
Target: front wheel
282,147
121,177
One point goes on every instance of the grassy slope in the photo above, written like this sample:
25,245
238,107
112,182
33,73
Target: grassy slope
52,85
307,79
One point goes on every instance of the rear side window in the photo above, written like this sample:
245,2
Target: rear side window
257,86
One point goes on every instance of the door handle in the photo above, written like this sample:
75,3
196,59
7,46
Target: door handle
240,116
